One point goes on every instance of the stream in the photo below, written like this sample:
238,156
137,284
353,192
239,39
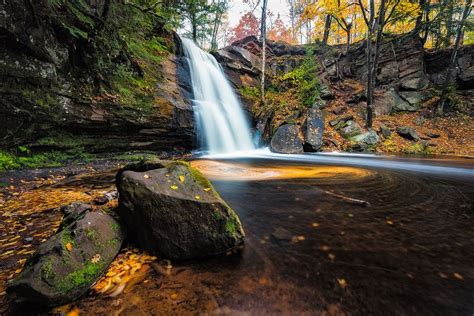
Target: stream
329,234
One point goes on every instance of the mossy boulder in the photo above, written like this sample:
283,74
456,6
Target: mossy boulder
172,210
68,263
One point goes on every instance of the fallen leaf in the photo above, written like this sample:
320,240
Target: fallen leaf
458,276
146,176
332,256
342,283
325,248
207,189
174,187
95,258
442,275
74,312
174,296
390,222
181,178
315,225
197,197
69,246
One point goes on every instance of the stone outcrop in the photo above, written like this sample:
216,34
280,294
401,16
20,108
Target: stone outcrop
286,140
68,263
171,210
51,85
313,130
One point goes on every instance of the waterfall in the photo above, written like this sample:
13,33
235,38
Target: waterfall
220,120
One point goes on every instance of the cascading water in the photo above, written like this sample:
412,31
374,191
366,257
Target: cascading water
220,119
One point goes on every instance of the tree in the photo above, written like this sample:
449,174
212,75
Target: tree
452,60
221,7
248,25
279,32
263,39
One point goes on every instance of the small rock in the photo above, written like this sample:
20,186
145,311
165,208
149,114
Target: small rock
386,132
369,138
433,135
341,120
281,234
408,133
339,110
350,129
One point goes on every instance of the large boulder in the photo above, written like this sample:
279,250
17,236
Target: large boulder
313,130
171,210
415,83
391,101
286,140
67,264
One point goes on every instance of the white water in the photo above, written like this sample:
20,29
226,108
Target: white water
221,122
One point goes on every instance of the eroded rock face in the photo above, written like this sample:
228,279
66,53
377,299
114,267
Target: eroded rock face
171,210
67,264
48,89
286,140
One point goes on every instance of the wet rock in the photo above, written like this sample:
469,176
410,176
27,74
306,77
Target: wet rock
408,133
417,83
281,234
286,140
350,129
325,92
68,263
386,132
105,198
313,130
369,138
171,210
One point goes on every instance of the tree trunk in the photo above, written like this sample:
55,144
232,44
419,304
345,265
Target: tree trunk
327,28
452,60
263,38
449,24
370,65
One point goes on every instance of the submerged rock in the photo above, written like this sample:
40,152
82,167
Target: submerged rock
286,140
313,130
408,133
68,263
170,209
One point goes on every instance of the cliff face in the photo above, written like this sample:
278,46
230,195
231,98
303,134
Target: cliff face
96,70
408,87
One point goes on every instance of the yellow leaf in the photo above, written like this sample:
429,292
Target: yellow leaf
174,187
342,283
69,247
207,189
174,296
181,178
197,197
96,258
315,225
390,222
146,176
458,276
74,312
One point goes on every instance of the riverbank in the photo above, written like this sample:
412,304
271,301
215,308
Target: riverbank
311,242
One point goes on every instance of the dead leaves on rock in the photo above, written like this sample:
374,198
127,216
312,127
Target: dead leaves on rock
129,268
